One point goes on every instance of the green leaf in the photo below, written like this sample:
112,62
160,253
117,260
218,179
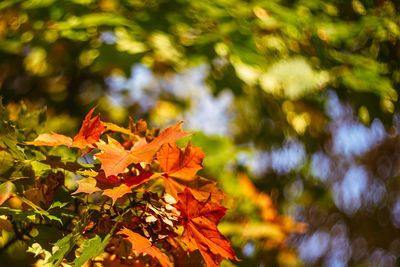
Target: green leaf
27,215
6,162
40,168
90,249
58,204
61,248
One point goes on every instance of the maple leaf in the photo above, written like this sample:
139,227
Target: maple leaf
134,181
89,133
183,164
115,128
142,245
104,182
200,221
146,151
53,139
112,181
87,185
117,192
180,167
114,158
201,188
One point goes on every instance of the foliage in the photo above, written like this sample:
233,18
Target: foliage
149,216
313,88
256,48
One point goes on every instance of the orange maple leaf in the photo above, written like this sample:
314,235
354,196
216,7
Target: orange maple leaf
146,151
142,245
114,158
183,164
201,188
200,221
117,192
53,139
89,133
180,167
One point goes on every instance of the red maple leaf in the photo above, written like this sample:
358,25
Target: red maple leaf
89,134
104,182
90,131
142,245
200,221
136,180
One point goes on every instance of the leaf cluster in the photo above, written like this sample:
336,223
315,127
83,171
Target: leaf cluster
138,200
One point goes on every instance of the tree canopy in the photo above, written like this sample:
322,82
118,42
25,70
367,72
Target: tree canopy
294,102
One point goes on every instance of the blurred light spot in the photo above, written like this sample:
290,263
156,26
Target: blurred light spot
292,78
247,73
208,113
363,114
108,37
334,108
381,258
321,166
27,36
287,106
358,7
35,62
288,158
375,193
258,163
396,213
87,57
359,248
164,48
136,87
314,246
281,160
126,42
294,190
340,250
348,193
221,49
248,249
299,121
334,262
355,139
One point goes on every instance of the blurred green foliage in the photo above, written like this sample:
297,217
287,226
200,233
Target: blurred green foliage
278,58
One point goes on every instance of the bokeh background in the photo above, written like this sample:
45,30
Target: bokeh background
294,101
